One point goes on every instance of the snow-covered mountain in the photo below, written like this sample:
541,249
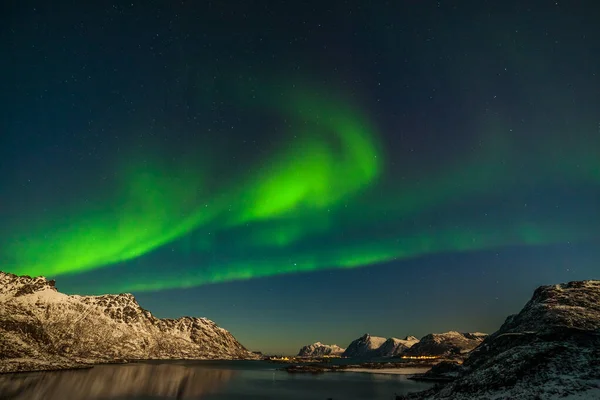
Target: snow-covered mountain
434,344
41,328
364,347
550,350
319,349
393,346
368,346
445,344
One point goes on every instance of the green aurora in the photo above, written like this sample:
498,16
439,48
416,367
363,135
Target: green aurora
154,206
314,203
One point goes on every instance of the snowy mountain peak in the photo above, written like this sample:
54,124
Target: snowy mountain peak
394,346
364,346
15,285
319,349
568,305
368,346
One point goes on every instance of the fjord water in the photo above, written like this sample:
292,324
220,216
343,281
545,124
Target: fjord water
207,380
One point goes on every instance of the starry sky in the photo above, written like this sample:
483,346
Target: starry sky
303,171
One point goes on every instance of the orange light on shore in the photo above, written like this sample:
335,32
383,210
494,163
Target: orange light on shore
420,357
281,358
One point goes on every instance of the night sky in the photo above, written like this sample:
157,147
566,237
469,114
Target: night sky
303,171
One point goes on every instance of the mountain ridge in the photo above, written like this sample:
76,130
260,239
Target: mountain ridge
394,347
364,347
446,344
41,328
449,343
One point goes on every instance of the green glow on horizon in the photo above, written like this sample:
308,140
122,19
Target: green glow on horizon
140,219
355,256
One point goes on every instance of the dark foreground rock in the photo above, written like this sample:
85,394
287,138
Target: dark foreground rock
550,350
445,371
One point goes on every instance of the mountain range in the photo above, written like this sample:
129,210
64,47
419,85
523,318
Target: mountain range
42,329
549,350
435,344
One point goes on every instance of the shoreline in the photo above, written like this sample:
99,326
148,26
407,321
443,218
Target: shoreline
389,371
30,366
45,368
409,368
25,366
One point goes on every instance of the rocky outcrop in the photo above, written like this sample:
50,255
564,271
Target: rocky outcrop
319,349
446,344
550,350
41,328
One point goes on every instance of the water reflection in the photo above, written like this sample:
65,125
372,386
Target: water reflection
171,381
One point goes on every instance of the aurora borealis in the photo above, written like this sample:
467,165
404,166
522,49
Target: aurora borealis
184,148
332,157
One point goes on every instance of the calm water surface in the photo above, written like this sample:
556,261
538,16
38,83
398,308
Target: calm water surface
207,380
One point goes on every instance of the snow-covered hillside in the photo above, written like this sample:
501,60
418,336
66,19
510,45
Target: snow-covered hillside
550,350
319,349
41,328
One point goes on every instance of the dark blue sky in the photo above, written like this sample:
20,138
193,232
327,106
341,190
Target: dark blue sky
464,292
305,171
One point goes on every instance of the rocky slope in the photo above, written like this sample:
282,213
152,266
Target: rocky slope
550,350
41,328
394,347
319,349
446,344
